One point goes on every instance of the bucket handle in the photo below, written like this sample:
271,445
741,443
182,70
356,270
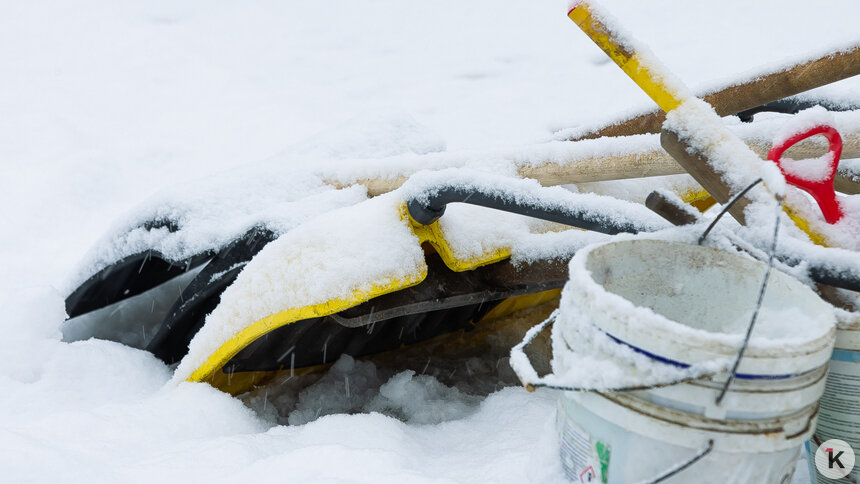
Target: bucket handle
683,465
771,254
528,376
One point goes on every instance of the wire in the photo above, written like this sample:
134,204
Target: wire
727,207
671,472
617,389
761,293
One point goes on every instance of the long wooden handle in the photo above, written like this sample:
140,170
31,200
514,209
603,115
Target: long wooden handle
750,93
638,164
658,163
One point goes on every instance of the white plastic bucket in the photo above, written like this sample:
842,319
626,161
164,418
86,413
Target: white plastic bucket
618,438
839,415
684,304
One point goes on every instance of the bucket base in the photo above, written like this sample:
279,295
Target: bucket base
595,449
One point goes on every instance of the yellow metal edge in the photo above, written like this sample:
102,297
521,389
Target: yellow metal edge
426,233
245,337
518,303
242,381
433,234
229,349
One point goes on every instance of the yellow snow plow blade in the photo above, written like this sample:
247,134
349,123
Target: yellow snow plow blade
210,369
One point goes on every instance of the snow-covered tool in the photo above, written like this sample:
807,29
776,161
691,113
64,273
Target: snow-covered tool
150,302
753,94
299,304
595,160
816,177
693,133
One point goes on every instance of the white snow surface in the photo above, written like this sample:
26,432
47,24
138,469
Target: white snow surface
110,104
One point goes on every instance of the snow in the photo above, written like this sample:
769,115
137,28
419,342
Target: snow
815,170
695,122
113,111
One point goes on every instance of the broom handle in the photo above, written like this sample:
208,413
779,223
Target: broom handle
659,163
751,93
586,169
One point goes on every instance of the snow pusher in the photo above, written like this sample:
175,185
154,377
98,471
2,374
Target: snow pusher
384,275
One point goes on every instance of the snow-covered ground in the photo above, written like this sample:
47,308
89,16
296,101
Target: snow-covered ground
105,103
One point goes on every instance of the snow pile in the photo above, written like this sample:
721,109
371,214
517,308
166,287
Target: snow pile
371,136
209,214
97,410
352,386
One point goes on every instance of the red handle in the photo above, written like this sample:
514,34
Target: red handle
821,189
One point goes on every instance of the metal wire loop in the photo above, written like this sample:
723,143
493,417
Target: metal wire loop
726,208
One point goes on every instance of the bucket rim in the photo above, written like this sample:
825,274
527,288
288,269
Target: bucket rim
690,345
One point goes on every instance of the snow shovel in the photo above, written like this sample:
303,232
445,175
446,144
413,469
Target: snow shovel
398,294
299,303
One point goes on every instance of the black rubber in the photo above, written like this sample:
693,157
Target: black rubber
203,294
430,207
128,277
793,105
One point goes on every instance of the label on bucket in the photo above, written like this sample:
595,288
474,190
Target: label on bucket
584,460
839,411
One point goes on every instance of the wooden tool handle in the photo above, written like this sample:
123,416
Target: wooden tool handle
749,94
659,163
637,164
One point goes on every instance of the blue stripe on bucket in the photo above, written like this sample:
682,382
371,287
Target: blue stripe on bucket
743,376
844,355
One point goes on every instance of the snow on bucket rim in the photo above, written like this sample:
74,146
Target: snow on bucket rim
675,337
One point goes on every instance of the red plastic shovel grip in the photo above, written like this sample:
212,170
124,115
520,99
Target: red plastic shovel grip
822,191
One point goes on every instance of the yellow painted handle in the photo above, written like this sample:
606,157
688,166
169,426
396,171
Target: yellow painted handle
655,80
657,83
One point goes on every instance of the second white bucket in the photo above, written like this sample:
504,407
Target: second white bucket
682,305
839,416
